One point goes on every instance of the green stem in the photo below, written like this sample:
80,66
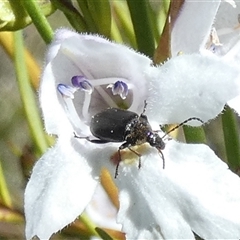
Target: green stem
4,193
74,17
231,138
140,12
39,20
27,95
194,135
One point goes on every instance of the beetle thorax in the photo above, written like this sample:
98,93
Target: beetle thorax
137,131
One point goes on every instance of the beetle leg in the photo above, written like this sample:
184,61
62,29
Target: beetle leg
126,145
76,136
139,157
119,160
98,141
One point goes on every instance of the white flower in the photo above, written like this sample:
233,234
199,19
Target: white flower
196,192
225,33
228,32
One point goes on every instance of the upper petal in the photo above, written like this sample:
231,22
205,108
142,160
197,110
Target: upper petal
59,37
191,86
193,25
59,189
195,192
94,58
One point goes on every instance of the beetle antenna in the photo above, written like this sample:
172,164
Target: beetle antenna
163,159
182,123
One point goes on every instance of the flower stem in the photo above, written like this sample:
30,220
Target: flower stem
6,40
231,138
39,20
27,95
140,12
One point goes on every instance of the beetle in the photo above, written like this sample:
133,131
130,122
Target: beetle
118,125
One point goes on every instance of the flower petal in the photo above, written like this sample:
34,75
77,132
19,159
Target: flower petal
58,191
59,37
190,86
102,211
188,36
226,21
195,192
228,28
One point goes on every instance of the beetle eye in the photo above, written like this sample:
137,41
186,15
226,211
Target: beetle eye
155,141
159,143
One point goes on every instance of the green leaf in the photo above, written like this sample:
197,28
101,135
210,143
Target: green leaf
140,15
231,138
14,17
194,134
87,16
101,14
122,27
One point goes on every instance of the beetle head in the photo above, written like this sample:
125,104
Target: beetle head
155,141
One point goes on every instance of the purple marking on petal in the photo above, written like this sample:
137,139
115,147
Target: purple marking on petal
120,88
66,90
82,83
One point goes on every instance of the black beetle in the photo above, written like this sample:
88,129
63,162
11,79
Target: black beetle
117,125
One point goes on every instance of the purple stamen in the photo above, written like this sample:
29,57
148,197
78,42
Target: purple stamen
82,83
66,90
76,80
119,88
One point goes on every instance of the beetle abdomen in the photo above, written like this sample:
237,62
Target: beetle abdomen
110,124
